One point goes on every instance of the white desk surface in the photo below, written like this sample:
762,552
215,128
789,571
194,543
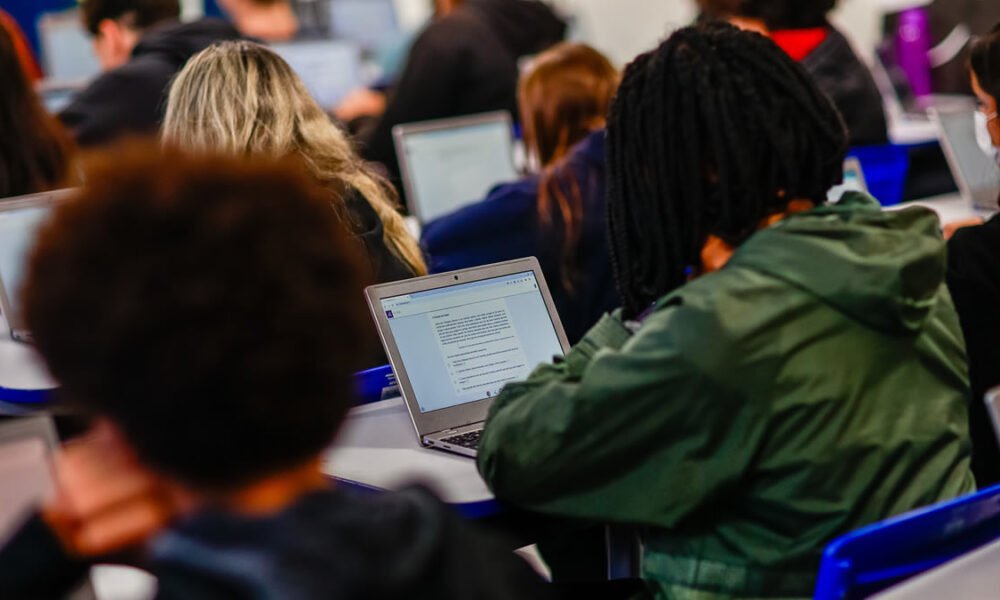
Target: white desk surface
974,576
378,448
20,366
950,208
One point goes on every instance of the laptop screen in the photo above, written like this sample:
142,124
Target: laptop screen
450,168
371,23
17,234
329,70
970,164
462,343
67,49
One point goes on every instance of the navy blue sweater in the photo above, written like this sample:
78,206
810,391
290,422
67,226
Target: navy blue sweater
506,225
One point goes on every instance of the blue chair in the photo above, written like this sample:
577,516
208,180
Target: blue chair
879,556
375,384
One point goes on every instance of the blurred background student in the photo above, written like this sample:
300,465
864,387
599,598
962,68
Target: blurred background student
242,98
24,54
141,46
464,62
801,28
35,151
974,270
558,214
265,20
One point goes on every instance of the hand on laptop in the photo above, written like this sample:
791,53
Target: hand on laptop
105,502
360,103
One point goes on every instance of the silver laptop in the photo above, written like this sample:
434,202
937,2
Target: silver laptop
20,219
452,163
370,23
329,69
455,339
977,175
67,48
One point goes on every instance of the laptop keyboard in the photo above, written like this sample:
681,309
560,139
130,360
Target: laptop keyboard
466,440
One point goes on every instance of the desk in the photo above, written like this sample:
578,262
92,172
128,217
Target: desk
378,450
950,208
24,378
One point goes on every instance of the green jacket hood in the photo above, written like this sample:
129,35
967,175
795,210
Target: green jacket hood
881,268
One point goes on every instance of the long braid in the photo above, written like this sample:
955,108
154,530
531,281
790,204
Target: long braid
709,134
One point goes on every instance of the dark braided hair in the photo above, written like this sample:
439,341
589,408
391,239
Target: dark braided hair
710,133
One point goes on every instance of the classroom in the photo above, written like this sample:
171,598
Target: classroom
499,299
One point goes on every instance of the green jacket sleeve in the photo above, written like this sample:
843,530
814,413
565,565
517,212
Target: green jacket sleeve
627,428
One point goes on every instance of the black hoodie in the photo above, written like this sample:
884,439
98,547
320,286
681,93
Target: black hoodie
132,98
464,63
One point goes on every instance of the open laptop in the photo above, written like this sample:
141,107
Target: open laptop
329,69
455,339
20,219
370,23
977,175
67,48
451,163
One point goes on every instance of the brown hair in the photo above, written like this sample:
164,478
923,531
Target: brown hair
564,94
34,149
139,14
219,287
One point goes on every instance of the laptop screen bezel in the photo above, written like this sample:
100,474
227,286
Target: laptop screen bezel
401,132
471,412
15,320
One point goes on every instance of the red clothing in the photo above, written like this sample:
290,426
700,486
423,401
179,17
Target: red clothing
800,43
24,55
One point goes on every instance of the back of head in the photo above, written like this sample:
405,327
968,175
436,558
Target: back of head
241,98
984,60
34,150
563,95
136,14
223,311
710,133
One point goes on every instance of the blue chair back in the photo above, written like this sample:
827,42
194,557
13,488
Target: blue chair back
876,557
375,384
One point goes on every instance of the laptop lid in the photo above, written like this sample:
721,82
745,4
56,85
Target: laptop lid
67,48
20,218
370,23
452,163
977,175
456,338
329,69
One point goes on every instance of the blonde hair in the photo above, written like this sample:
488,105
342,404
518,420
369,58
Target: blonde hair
241,97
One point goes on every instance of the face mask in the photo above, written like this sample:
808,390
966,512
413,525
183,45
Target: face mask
983,136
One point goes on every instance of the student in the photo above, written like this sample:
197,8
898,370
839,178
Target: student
266,20
24,55
34,149
242,98
558,214
974,273
801,28
141,46
782,372
228,293
464,62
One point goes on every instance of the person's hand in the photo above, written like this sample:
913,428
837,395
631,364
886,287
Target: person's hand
951,228
105,502
360,103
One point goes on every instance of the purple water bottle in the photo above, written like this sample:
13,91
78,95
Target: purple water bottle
913,43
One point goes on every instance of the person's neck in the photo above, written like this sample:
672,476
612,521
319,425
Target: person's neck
716,252
267,496
271,23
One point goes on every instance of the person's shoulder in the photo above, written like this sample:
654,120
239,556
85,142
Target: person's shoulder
513,201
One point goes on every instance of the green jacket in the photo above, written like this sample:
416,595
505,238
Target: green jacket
815,384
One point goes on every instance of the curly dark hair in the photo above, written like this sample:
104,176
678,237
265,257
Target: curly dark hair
141,14
710,133
211,308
